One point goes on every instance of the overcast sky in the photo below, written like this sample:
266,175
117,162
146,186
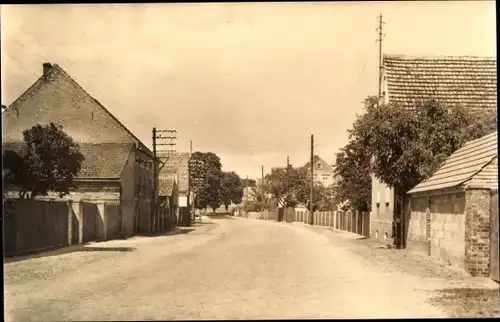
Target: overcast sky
248,81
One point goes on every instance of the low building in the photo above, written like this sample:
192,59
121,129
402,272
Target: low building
177,167
408,81
117,166
454,213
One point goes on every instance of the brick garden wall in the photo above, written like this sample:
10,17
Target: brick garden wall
477,232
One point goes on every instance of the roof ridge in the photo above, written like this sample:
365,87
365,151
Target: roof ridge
437,57
126,159
484,137
479,170
102,106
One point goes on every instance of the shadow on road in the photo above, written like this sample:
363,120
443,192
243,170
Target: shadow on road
219,216
469,302
173,232
66,250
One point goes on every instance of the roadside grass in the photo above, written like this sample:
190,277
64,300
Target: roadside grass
469,302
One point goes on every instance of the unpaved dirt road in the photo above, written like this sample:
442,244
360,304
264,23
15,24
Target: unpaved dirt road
227,269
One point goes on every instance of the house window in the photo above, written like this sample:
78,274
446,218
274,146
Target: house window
325,180
319,166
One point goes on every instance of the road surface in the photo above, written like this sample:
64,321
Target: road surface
224,269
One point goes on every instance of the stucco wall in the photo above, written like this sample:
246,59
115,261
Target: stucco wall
417,237
127,201
447,238
382,212
437,227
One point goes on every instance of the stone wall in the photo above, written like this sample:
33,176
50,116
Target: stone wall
417,236
477,232
447,238
437,226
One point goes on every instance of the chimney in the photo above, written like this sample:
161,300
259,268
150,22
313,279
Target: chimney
46,67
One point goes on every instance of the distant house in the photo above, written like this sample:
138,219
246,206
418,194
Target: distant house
454,213
323,172
117,166
408,81
177,168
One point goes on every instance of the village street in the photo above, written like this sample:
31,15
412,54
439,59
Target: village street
223,268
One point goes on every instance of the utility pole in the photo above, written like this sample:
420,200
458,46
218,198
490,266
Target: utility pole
160,140
380,67
189,181
155,184
262,174
312,181
287,161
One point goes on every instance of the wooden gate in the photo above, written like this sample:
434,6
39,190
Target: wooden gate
90,214
494,249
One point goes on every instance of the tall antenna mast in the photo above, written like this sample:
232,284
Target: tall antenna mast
381,35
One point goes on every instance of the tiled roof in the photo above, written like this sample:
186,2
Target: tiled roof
463,165
469,81
165,186
56,97
102,160
176,164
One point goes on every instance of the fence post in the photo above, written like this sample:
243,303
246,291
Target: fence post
101,207
70,222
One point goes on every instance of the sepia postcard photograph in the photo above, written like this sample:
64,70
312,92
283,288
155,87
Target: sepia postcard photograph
249,160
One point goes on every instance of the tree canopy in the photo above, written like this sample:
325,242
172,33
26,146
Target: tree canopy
205,178
407,146
284,184
231,189
49,162
352,169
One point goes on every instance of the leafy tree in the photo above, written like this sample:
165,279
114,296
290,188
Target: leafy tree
352,168
408,146
249,183
284,184
323,197
231,189
49,162
206,177
258,200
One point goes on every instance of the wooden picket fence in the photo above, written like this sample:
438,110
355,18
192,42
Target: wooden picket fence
351,221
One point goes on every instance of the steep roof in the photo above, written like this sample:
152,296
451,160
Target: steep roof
176,166
57,97
469,81
316,159
165,186
102,160
464,165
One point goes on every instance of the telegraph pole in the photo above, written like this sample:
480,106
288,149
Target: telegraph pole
189,180
155,184
380,67
312,181
287,161
159,140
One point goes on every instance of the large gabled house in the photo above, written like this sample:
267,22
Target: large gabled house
117,166
408,81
